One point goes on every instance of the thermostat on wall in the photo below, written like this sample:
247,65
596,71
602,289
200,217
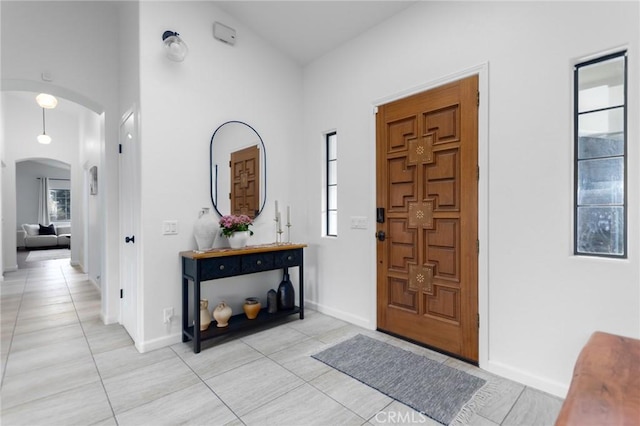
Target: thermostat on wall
224,33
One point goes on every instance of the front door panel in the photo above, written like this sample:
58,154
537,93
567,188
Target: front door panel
427,182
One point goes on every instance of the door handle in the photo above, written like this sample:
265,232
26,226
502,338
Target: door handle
380,235
131,239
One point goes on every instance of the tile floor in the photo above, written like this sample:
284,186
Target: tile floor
62,366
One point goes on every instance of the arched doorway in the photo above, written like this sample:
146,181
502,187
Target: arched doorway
76,141
43,211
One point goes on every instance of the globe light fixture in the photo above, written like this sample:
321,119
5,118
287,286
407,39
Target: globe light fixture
175,48
46,101
44,138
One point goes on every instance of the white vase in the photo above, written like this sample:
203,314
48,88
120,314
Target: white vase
222,313
238,239
205,316
205,229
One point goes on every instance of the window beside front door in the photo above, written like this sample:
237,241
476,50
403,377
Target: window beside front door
600,184
331,192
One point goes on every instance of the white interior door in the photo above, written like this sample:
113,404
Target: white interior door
128,186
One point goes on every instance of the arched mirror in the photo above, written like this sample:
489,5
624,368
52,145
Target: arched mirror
238,170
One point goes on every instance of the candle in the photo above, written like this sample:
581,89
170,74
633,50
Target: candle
288,215
277,210
279,223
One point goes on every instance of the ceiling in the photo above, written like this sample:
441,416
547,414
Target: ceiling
306,30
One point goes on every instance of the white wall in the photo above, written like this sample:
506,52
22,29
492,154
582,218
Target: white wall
538,302
181,106
77,43
90,213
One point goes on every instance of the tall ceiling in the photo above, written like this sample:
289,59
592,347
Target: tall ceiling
306,30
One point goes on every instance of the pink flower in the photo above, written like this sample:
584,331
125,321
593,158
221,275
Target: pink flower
235,223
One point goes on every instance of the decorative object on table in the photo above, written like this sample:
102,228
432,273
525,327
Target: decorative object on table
236,229
278,221
272,301
288,224
286,293
205,317
221,314
238,240
204,229
251,307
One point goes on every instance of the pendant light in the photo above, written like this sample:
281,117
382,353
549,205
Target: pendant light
47,101
44,138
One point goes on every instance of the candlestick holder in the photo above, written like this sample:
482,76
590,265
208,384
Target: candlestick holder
278,230
288,232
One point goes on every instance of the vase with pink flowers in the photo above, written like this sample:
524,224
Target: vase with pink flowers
236,229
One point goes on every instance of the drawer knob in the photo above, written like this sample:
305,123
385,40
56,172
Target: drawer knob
259,262
289,257
221,267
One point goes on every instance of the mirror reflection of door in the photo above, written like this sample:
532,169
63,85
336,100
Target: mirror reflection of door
245,181
237,152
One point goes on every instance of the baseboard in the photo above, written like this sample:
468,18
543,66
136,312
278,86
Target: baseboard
550,386
11,269
108,320
342,315
95,284
158,343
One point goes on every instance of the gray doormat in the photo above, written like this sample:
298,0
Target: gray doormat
445,394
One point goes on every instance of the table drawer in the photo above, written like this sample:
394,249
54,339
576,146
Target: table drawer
257,262
221,267
287,258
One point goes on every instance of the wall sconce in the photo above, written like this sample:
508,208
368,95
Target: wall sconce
44,138
175,47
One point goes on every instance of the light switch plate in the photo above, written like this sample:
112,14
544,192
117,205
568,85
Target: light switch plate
358,222
170,227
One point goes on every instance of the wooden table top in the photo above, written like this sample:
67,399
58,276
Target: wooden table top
222,252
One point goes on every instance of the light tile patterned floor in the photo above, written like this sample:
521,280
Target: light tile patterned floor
62,366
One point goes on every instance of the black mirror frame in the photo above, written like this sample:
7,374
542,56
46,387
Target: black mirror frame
264,153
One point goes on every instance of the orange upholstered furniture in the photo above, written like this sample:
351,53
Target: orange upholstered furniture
605,389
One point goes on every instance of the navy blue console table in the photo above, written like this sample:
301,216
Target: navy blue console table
220,263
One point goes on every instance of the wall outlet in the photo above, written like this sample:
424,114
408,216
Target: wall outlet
170,227
167,314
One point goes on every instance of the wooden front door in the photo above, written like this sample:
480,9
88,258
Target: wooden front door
245,181
427,183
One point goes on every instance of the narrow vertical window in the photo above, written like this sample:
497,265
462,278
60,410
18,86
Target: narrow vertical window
332,184
601,156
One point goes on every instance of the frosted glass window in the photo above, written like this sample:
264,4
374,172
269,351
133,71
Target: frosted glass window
601,156
331,193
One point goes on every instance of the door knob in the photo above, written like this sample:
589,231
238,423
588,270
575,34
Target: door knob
131,239
380,235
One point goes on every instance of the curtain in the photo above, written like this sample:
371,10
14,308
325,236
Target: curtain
43,202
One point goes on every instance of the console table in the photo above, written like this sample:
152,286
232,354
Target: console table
198,266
